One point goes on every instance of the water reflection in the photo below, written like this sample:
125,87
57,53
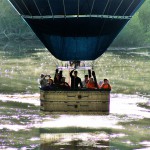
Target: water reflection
75,141
128,105
126,127
19,123
93,131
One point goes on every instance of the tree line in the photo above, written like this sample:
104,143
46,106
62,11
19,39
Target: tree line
136,33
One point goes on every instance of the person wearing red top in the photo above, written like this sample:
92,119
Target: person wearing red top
91,84
105,85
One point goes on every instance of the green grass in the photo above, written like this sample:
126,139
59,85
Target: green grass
127,70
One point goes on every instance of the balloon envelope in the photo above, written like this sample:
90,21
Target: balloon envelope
76,29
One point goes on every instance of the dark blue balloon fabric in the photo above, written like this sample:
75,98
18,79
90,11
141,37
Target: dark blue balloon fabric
76,29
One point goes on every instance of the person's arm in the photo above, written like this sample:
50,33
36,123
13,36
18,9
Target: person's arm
56,71
60,76
71,73
89,72
102,86
95,80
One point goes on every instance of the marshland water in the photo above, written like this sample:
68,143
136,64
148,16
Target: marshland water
23,126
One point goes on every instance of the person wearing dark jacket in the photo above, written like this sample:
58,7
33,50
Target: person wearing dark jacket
75,80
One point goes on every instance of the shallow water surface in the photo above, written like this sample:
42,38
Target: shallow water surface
23,126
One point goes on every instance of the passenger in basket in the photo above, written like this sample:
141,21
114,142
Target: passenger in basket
63,84
75,80
100,83
43,81
50,83
91,84
57,77
105,85
85,81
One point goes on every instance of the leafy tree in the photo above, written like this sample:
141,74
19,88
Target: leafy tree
144,16
137,31
11,25
129,36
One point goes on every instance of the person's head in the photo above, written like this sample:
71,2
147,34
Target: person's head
100,82
49,76
75,73
50,81
86,77
105,81
57,75
42,75
91,80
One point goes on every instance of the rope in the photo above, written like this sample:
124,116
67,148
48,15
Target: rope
17,6
50,8
108,3
105,7
64,8
37,8
92,7
108,11
78,15
26,8
118,7
128,8
78,8
93,64
103,15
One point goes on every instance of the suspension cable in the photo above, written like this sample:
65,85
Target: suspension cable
26,7
18,7
108,4
105,7
128,7
92,7
64,8
78,8
102,27
118,7
37,8
93,64
50,8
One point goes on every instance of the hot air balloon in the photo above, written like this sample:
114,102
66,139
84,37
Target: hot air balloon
76,30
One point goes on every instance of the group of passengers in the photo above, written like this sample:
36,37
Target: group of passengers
47,83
